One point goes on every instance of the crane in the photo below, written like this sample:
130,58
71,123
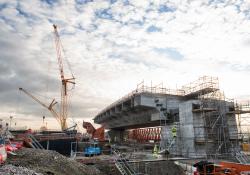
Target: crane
65,81
49,107
62,115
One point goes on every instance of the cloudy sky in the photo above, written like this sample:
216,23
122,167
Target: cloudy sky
113,45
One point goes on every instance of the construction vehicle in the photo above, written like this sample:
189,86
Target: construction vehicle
92,149
62,115
95,133
221,168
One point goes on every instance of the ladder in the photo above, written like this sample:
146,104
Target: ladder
168,147
242,157
122,164
239,155
34,142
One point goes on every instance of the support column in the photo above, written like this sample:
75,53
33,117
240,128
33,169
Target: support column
117,135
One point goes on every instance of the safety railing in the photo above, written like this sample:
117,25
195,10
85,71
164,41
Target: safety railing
122,164
34,143
202,83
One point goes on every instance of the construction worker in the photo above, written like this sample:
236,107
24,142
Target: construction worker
155,151
174,131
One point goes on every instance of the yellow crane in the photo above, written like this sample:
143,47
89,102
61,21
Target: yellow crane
63,113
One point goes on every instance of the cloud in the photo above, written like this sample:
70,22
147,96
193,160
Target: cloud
113,45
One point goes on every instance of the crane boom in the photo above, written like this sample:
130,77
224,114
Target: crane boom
49,107
65,81
58,51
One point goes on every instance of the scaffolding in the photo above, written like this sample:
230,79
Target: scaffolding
216,129
217,123
203,85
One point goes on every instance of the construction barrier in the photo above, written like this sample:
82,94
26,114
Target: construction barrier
145,134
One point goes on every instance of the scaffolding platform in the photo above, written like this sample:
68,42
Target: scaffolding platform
239,112
203,140
201,92
204,110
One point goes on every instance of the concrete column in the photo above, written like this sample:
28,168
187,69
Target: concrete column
116,135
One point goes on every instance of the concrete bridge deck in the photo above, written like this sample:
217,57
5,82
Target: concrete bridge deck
146,106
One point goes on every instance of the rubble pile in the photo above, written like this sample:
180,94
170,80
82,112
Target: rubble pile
49,162
11,169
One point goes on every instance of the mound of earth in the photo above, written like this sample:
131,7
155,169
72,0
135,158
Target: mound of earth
11,169
48,162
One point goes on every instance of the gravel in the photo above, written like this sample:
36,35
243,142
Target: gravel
48,162
30,161
14,170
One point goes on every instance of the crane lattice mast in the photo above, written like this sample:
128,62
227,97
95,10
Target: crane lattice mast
65,81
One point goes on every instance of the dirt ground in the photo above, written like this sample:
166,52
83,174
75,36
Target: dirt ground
45,162
160,167
16,170
149,168
48,162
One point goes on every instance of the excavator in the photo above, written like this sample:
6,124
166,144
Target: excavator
222,168
96,134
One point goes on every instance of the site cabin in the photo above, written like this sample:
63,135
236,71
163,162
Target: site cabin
223,168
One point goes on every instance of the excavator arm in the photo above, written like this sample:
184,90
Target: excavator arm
89,127
96,133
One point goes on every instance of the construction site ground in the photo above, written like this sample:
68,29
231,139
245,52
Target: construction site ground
143,162
31,161
44,162
160,166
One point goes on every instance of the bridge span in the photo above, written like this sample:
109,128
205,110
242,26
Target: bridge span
199,111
